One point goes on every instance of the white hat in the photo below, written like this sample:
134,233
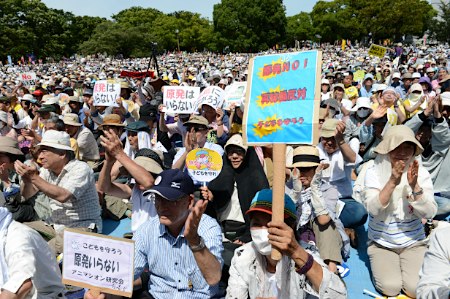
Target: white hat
71,119
445,97
27,97
415,87
325,81
416,75
396,75
56,139
51,101
362,102
236,140
379,87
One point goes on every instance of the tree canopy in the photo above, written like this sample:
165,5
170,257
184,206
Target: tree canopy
29,27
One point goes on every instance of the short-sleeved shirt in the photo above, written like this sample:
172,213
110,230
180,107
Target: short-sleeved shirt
84,208
27,256
87,145
171,265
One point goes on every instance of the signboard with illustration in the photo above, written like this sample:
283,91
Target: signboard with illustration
235,93
283,98
98,262
203,164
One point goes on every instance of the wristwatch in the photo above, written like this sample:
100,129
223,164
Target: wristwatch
198,247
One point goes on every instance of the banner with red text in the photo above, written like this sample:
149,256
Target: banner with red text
283,98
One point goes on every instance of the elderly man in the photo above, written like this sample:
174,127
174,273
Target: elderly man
86,141
68,183
178,253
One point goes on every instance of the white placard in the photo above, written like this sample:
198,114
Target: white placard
98,262
181,99
106,93
213,96
28,78
235,94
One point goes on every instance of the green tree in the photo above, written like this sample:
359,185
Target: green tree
299,27
440,26
249,25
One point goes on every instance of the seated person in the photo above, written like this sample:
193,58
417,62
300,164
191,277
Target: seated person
67,182
316,206
178,253
299,274
27,270
398,194
434,281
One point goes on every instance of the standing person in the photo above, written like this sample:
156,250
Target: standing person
299,274
27,270
67,182
398,195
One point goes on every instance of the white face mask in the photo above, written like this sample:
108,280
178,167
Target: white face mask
362,113
260,238
414,97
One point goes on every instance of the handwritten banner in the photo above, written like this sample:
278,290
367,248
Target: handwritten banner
235,93
203,164
181,99
106,93
98,262
213,96
28,79
282,101
376,50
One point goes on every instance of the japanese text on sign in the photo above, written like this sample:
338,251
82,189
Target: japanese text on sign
99,262
281,100
106,93
181,99
213,96
376,50
28,79
235,94
203,164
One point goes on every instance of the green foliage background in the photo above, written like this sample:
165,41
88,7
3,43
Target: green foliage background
29,27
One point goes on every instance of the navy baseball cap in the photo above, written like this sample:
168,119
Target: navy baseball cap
172,184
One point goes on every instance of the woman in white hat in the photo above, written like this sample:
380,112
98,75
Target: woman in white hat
325,90
398,195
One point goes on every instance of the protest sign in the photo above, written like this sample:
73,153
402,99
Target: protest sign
358,76
106,93
376,50
282,99
98,262
28,79
181,99
203,164
212,96
234,94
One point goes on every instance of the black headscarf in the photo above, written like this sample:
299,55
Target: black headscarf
249,177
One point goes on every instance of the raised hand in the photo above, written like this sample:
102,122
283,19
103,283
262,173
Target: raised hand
413,174
398,166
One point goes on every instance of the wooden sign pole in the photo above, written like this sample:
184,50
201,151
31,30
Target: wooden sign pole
279,176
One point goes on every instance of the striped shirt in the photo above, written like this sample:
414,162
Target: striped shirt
172,268
396,234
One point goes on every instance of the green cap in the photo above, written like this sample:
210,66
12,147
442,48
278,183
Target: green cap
5,99
46,108
137,126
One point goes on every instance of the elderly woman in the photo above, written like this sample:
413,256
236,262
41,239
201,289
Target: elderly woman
398,195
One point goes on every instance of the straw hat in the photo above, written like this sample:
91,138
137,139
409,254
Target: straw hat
112,120
305,156
395,136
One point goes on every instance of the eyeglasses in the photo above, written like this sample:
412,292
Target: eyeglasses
197,129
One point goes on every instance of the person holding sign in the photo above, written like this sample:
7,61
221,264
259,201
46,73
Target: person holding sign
299,274
178,253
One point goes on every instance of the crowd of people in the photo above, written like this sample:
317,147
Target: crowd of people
382,158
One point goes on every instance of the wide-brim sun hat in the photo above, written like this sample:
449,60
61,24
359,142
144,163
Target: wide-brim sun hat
362,102
329,128
394,137
71,119
10,146
56,139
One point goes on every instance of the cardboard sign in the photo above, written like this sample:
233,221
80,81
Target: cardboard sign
181,99
283,97
213,96
106,93
203,164
98,262
376,50
235,93
28,79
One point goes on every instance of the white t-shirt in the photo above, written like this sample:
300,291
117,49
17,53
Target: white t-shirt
143,208
233,210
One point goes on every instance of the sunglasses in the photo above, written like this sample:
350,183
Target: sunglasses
235,150
197,129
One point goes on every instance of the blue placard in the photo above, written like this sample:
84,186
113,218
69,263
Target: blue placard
280,104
